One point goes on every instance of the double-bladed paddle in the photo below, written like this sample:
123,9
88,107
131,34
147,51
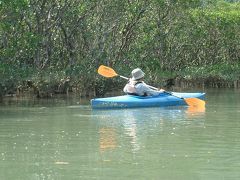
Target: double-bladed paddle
109,73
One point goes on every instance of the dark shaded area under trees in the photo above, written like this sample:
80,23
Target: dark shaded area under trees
49,47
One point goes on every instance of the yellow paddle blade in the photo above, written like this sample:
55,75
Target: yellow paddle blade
106,71
195,102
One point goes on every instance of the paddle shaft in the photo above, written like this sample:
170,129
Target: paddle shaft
123,77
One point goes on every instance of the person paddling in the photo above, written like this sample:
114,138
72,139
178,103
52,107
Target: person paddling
136,85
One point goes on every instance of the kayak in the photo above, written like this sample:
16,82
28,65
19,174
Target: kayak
131,101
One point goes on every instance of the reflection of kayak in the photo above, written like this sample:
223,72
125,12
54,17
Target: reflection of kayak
130,101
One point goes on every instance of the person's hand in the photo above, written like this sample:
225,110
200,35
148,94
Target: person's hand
161,90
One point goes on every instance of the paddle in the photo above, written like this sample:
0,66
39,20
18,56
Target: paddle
109,73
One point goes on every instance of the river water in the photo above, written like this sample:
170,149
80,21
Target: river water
67,140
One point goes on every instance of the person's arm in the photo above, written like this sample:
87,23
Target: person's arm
144,89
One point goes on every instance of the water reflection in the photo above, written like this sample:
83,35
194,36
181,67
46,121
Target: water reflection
107,138
129,127
194,111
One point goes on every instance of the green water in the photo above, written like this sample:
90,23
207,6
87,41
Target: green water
66,140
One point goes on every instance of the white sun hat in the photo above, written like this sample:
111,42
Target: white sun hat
137,74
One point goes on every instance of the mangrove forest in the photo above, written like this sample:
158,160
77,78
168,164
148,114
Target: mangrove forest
56,46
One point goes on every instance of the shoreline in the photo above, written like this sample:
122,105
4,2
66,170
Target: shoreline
73,91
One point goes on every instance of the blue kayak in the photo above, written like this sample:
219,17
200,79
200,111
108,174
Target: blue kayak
131,101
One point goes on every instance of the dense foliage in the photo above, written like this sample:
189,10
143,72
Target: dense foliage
58,45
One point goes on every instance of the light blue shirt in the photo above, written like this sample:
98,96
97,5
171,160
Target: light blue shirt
142,89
